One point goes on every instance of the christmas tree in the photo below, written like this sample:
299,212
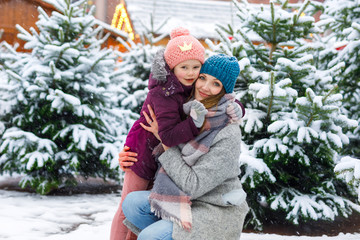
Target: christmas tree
293,129
130,80
135,67
58,123
340,23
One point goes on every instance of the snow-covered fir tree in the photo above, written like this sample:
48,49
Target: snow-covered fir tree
293,129
340,23
349,169
58,123
8,100
131,78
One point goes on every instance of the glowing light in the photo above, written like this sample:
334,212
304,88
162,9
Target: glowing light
121,20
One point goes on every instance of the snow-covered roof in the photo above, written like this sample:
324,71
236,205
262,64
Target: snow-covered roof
199,16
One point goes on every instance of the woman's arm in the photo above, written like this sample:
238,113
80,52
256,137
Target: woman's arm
211,170
153,124
153,128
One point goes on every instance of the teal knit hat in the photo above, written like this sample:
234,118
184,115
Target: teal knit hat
224,68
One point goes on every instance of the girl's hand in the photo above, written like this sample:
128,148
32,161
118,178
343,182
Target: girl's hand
235,112
197,112
127,159
154,128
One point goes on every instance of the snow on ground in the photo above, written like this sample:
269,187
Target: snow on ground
28,216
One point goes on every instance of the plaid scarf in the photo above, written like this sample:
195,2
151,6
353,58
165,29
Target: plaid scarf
166,199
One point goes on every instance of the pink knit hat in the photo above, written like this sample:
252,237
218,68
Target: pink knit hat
181,47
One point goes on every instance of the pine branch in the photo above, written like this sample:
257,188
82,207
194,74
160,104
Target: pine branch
274,43
43,13
272,50
272,83
301,10
99,59
284,5
248,41
330,93
67,46
310,95
125,44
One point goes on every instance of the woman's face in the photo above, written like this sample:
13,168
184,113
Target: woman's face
187,71
206,86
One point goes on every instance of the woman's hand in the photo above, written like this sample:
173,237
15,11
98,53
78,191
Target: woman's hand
127,159
154,128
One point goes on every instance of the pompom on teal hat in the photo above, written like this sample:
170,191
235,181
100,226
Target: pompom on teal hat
224,68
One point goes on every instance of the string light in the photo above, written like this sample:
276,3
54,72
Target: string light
121,21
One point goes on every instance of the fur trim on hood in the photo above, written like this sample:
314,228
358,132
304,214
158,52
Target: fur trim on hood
158,67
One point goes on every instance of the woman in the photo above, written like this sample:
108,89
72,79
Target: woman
197,186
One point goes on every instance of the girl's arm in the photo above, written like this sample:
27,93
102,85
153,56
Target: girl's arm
172,130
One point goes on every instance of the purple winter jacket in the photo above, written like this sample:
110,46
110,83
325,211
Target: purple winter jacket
166,97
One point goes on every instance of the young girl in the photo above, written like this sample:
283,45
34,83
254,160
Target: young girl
197,193
173,72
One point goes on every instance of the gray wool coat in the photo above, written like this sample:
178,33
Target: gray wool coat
218,206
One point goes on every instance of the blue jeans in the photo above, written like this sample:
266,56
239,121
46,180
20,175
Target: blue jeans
136,208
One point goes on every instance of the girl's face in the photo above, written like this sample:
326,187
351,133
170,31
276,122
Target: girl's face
187,71
206,86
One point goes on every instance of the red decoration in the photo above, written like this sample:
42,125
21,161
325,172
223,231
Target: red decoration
341,47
